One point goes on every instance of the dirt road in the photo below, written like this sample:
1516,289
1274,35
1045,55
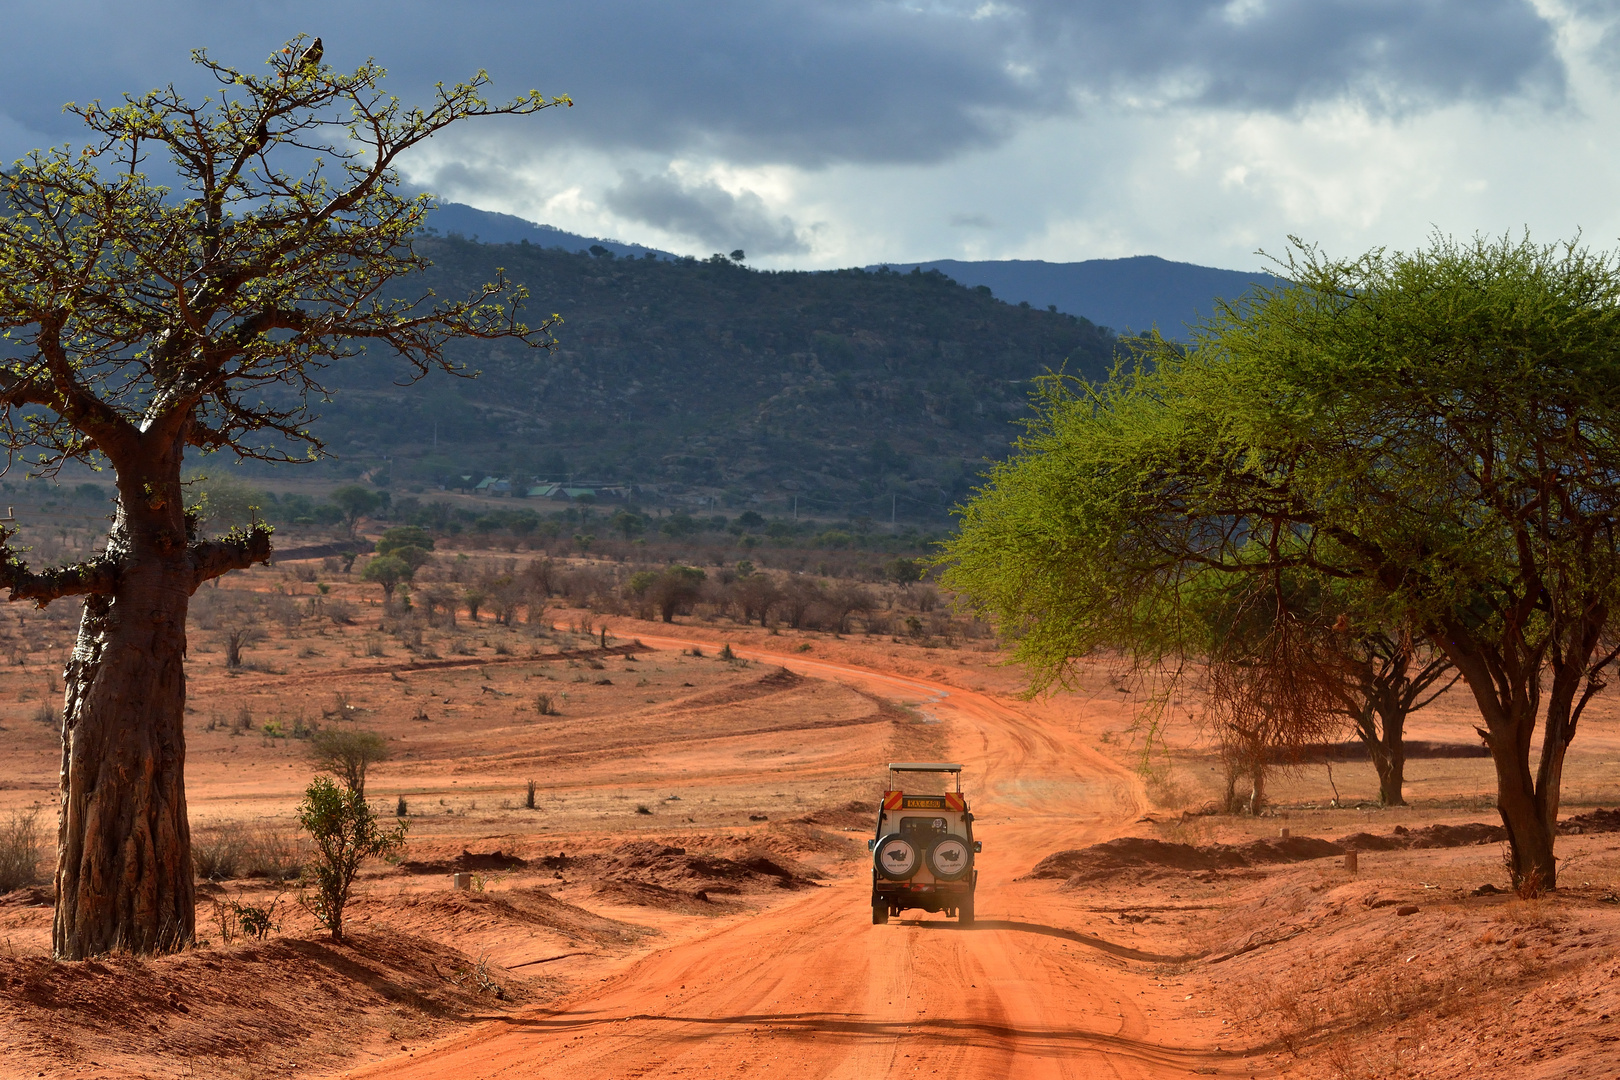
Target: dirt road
810,985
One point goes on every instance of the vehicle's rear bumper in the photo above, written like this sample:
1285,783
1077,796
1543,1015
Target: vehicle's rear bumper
934,896
908,888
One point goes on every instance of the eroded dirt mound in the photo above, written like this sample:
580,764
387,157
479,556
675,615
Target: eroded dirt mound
467,861
219,1007
775,683
466,912
1107,859
669,867
29,896
1598,821
851,815
1117,857
710,901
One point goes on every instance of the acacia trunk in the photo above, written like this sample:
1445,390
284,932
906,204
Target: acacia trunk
1386,744
1530,839
124,877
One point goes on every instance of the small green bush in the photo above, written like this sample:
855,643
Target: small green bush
345,832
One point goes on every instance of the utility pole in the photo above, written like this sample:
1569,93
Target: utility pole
435,434
894,501
795,508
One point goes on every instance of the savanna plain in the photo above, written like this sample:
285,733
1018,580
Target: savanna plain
662,829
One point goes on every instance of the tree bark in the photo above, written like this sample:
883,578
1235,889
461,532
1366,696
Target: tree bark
1507,690
124,879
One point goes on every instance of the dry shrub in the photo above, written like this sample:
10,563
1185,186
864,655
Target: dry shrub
234,850
1167,790
216,854
19,850
1529,914
271,852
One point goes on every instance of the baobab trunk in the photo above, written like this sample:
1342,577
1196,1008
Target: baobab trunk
124,877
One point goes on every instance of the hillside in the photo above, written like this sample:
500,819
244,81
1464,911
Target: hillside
1135,294
489,227
857,393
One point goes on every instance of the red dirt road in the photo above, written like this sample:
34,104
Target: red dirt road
810,985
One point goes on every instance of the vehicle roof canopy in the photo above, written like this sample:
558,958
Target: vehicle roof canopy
929,766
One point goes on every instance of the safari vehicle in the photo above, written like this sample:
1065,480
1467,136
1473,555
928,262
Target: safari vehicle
922,855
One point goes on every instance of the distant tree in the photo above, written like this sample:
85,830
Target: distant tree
627,524
474,598
146,321
738,255
667,591
905,571
239,637
387,571
679,525
225,502
757,595
402,536
506,597
848,599
441,598
348,754
355,502
799,595
1379,676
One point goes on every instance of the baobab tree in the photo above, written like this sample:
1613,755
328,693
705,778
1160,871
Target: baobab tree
143,322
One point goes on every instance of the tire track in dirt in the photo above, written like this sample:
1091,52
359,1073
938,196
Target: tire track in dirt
811,985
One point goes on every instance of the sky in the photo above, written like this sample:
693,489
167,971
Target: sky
825,133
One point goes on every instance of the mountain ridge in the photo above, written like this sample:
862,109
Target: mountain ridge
1128,295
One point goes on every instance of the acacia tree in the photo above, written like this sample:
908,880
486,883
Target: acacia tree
1440,428
141,323
1378,679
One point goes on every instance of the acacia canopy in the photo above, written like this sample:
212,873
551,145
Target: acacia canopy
1439,429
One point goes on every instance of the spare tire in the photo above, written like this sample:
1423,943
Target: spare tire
895,858
950,858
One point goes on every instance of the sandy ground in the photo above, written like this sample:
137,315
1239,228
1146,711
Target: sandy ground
688,897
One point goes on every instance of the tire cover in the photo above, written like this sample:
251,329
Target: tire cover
895,858
950,858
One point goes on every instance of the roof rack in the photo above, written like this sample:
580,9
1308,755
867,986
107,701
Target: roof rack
929,766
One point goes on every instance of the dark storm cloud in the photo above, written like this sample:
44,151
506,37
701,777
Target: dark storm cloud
817,81
706,212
